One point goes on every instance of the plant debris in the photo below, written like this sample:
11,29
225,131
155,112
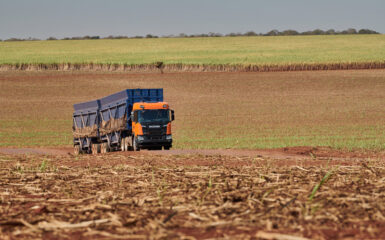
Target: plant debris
115,196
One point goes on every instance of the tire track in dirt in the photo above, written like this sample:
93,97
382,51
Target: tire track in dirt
293,153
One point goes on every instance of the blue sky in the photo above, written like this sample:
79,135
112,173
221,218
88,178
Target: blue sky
45,18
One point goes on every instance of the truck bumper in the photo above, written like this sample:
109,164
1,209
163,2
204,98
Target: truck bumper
146,141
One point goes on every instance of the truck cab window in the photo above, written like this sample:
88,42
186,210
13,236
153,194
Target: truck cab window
156,115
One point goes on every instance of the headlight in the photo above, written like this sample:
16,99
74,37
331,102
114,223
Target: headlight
140,138
169,137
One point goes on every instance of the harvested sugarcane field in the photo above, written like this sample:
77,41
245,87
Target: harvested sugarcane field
259,120
152,196
275,155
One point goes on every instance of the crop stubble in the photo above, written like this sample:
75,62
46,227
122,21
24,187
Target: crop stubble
145,196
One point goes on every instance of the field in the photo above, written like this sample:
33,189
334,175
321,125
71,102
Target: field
274,155
146,196
244,51
339,109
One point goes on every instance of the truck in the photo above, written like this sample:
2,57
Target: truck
131,119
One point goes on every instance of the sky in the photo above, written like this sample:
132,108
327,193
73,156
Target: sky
69,18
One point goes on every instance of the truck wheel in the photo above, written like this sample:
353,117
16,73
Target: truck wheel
128,142
76,149
135,146
123,144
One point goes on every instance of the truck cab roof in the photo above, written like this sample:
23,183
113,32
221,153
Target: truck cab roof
150,105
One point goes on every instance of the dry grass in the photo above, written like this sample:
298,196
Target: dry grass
342,109
151,197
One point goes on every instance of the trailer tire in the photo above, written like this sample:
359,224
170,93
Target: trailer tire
76,149
95,149
123,144
104,147
135,146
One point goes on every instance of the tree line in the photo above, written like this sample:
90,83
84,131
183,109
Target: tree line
212,34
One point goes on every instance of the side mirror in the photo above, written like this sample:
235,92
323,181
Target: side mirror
172,115
134,116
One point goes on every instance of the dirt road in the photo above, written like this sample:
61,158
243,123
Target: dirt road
293,153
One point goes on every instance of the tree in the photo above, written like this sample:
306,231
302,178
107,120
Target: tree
351,31
367,31
250,33
318,32
289,32
151,36
273,33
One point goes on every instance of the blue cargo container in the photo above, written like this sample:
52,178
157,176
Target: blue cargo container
85,124
103,123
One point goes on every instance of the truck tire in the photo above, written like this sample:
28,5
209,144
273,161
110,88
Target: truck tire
108,149
128,143
123,144
135,146
76,149
166,147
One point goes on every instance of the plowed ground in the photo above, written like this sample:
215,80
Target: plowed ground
147,196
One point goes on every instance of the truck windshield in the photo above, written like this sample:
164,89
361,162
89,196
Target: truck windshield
157,115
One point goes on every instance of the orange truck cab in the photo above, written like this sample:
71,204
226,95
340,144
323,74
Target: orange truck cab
151,125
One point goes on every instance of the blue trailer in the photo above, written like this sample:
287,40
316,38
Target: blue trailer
85,125
106,124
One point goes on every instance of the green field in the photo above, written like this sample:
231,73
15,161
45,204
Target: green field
340,109
224,50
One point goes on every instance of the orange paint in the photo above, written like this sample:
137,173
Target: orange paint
137,129
168,129
158,105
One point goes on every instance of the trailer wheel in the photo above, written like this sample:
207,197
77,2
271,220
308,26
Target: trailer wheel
104,148
135,146
123,144
76,149
98,148
95,149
